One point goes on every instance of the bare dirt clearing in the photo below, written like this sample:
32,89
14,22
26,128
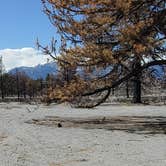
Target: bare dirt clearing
86,137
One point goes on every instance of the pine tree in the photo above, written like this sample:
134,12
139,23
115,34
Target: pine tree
127,36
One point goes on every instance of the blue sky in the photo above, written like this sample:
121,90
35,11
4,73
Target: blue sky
21,22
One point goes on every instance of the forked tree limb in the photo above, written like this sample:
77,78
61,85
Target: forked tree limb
127,77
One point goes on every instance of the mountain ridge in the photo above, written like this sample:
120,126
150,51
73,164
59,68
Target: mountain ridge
42,70
37,72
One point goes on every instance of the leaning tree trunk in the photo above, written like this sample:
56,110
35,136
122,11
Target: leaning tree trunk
137,83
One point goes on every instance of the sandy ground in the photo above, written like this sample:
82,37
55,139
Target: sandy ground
23,144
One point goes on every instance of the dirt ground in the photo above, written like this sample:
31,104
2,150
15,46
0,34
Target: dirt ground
131,124
58,135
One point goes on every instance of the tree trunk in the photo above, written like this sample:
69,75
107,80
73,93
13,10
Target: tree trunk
127,89
137,82
41,87
18,86
2,88
136,89
24,89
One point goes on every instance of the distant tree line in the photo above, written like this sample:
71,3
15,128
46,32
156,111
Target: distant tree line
20,86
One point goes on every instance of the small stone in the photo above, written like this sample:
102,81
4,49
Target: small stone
59,125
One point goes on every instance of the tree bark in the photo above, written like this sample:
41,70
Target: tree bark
136,89
137,81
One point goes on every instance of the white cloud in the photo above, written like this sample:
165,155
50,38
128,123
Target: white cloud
22,57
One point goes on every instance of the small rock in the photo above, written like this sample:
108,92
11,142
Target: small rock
59,125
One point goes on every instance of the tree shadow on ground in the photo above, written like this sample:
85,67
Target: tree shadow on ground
130,124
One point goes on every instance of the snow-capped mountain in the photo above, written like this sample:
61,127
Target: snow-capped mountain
39,71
